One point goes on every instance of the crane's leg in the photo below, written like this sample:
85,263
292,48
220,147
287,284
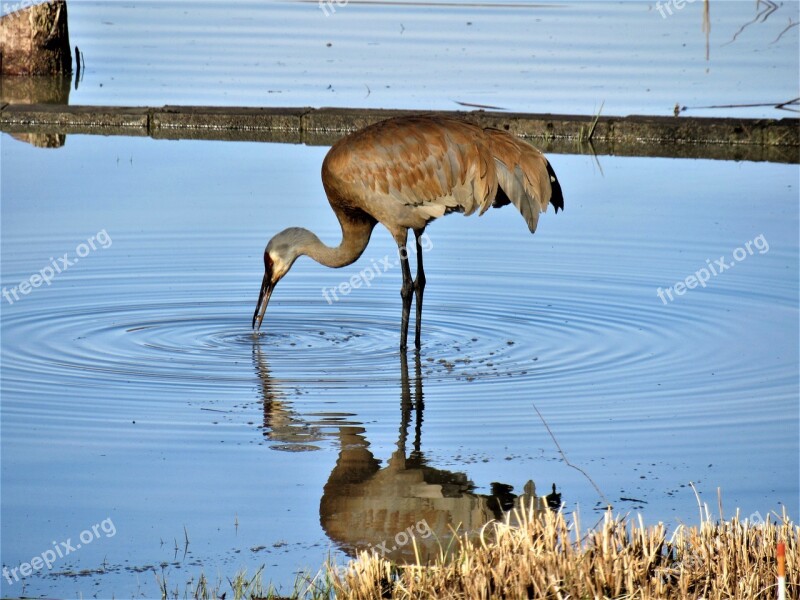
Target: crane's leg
406,292
419,287
419,405
406,405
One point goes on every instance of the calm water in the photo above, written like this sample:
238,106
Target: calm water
136,400
561,57
133,390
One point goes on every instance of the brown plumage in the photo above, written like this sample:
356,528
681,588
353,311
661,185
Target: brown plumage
404,173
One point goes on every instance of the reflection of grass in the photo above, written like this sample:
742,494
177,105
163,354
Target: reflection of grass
540,554
586,136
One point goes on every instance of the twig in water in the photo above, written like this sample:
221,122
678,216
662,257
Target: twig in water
594,155
186,545
625,499
762,16
788,27
489,106
781,105
566,460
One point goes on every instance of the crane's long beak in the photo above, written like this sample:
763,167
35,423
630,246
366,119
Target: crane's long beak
263,300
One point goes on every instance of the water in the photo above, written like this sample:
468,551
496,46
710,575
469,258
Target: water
134,392
142,420
560,57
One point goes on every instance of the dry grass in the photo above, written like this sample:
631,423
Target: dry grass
542,555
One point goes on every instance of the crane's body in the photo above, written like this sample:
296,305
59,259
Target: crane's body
404,173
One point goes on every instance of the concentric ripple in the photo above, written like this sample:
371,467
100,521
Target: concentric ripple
567,333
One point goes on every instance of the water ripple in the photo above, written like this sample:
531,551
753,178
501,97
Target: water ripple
567,334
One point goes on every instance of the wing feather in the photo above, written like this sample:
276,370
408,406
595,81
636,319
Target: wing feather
522,174
410,170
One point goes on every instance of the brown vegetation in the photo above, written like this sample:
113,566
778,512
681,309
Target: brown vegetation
542,555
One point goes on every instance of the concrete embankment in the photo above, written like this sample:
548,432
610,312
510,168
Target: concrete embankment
776,140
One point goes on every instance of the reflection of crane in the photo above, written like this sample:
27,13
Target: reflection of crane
404,173
368,506
365,503
282,425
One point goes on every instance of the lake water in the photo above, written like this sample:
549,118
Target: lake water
136,400
134,391
560,57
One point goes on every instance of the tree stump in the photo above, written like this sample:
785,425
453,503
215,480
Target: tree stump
36,90
35,41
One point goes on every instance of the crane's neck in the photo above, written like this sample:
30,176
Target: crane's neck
355,237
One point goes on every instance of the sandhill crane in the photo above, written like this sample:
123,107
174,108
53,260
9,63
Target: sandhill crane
404,173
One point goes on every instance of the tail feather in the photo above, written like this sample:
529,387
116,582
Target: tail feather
524,177
556,198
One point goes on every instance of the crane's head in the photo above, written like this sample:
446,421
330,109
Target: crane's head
279,256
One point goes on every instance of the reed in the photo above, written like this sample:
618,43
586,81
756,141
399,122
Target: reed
542,554
248,587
